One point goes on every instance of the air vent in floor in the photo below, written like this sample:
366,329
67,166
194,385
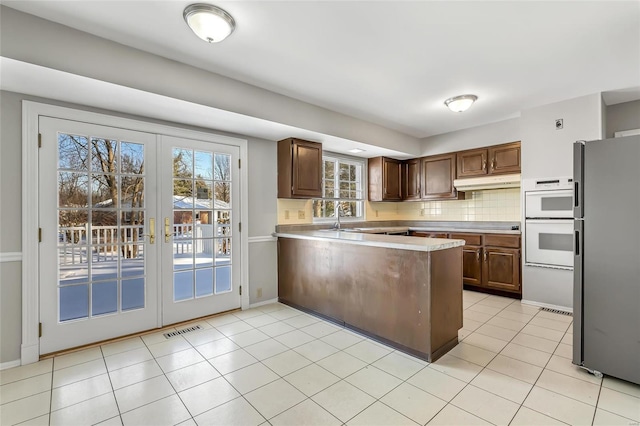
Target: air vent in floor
556,311
182,331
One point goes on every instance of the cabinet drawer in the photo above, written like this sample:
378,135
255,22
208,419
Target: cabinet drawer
501,240
470,239
428,234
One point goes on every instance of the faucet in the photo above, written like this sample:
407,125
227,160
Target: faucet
339,211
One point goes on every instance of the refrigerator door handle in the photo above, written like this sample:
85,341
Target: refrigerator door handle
578,177
578,263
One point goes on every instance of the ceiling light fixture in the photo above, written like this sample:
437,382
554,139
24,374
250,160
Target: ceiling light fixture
209,22
460,103
356,150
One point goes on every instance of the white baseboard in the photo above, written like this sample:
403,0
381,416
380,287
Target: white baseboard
9,364
547,305
265,302
30,353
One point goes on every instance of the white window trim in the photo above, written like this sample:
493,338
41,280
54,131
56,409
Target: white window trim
364,163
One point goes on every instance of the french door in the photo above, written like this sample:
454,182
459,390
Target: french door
138,231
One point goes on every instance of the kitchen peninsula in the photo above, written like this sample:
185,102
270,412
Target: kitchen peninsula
403,291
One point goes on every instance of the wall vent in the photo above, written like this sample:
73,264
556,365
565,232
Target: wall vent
182,331
556,311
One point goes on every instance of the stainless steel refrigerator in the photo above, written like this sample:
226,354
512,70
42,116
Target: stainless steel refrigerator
606,309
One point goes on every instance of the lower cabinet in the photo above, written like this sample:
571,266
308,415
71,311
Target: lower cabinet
501,269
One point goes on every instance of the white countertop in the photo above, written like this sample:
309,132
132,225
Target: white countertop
376,240
428,229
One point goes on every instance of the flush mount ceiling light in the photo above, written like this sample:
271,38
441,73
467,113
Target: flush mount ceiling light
356,150
209,22
460,103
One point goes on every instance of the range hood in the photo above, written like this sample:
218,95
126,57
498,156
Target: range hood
487,182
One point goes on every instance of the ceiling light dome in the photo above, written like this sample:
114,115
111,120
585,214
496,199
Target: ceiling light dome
209,22
460,103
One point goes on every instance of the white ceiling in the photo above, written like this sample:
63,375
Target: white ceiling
391,62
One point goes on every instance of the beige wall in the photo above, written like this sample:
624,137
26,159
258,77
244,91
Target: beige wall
625,116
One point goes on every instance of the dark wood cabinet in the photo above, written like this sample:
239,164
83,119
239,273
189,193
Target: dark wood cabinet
299,169
411,180
471,258
428,234
501,268
438,174
385,179
504,158
472,163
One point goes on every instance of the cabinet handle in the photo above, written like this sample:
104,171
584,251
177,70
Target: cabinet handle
478,255
485,255
484,164
493,164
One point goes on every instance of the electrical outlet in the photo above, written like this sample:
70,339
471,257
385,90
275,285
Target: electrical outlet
259,292
286,214
421,212
376,213
301,214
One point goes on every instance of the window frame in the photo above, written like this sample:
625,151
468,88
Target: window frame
341,158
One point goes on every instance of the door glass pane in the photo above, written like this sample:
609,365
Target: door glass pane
182,194
223,279
132,192
104,298
133,266
204,165
73,152
223,251
74,302
104,156
222,167
223,195
132,294
132,158
183,285
104,191
73,190
182,163
204,282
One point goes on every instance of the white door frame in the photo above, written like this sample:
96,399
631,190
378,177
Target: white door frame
30,348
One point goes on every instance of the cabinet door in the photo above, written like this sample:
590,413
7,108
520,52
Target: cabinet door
472,163
472,265
501,269
411,180
504,159
438,174
391,178
307,169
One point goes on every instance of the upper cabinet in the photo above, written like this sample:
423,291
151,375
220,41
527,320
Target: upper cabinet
493,160
299,169
385,177
411,180
438,174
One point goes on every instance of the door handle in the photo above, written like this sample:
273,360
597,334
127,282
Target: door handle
167,230
152,231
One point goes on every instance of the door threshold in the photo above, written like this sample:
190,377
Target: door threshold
138,334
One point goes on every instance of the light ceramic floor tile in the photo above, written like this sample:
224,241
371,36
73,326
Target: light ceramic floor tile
368,351
192,375
485,405
559,407
527,417
232,361
202,324
560,326
167,411
74,358
379,414
311,379
485,342
179,360
247,338
526,354
272,307
509,324
470,324
217,348
522,308
373,381
472,353
25,409
621,386
398,365
250,378
24,388
343,400
248,313
565,351
274,398
156,337
88,412
453,416
341,364
143,393
456,367
497,301
545,333
286,362
284,314
567,338
276,329
555,317
535,342
564,366
306,413
619,403
235,412
208,395
502,385
173,345
42,421
122,346
605,418
414,403
261,320
520,370
489,310
516,316
316,350
266,349
342,339
113,421
221,320
294,338
80,391
134,374
568,386
125,359
462,333
234,328
475,316
205,336
496,332
189,422
320,329
301,321
439,384
26,371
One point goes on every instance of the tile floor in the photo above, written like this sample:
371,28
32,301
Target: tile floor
276,365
